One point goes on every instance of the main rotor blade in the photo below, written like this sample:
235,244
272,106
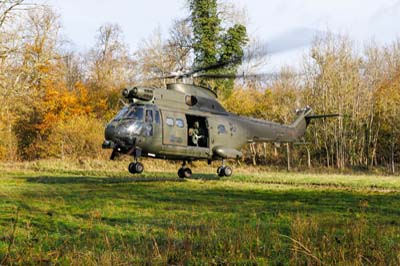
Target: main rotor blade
196,70
214,66
238,76
171,76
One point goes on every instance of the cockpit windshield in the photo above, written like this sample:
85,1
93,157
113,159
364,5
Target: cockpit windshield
130,121
133,112
121,114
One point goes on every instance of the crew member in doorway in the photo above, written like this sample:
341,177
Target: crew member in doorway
196,133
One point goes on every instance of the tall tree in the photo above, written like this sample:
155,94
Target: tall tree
39,68
213,44
206,31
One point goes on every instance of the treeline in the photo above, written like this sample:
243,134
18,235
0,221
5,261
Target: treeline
56,101
364,88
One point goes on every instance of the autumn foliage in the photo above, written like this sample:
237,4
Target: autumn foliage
56,102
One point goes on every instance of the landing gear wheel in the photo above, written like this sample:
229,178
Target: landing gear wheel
219,171
139,168
135,168
132,168
227,171
224,171
180,173
185,172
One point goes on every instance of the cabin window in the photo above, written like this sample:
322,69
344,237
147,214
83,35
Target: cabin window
157,117
170,121
149,116
179,123
221,129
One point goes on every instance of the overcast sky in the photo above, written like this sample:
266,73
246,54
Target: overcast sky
287,26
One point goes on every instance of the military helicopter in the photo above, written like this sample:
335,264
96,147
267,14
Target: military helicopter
186,122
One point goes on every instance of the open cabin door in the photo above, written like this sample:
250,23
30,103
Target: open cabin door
198,131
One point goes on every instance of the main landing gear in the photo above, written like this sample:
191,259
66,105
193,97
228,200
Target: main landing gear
224,170
184,172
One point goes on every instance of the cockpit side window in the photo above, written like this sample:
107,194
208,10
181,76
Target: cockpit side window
149,116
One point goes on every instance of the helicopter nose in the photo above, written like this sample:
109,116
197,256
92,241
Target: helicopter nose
119,135
110,132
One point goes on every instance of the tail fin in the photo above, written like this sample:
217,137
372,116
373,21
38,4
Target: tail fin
301,122
304,117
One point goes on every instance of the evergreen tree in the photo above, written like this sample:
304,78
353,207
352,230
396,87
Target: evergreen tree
212,44
206,31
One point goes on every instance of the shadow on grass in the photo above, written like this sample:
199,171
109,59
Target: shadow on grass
114,180
98,180
215,198
205,177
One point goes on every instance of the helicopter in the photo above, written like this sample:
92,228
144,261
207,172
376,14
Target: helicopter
186,122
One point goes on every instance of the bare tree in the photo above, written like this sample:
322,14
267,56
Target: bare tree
333,78
155,58
7,7
110,65
180,44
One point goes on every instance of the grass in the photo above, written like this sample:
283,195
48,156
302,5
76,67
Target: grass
94,213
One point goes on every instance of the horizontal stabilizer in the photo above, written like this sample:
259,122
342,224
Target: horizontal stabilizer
321,116
312,116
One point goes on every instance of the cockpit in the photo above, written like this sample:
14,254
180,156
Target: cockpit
131,122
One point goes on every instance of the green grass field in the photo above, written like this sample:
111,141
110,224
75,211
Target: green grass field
96,214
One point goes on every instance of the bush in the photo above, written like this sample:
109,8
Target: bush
79,136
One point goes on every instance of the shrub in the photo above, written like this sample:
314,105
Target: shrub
79,136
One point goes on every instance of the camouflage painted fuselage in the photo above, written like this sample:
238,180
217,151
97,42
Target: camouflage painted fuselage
173,110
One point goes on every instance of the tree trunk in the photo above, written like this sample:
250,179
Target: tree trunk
253,153
265,153
392,164
327,155
308,157
288,156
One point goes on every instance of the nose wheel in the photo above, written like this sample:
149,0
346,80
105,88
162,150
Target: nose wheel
135,168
